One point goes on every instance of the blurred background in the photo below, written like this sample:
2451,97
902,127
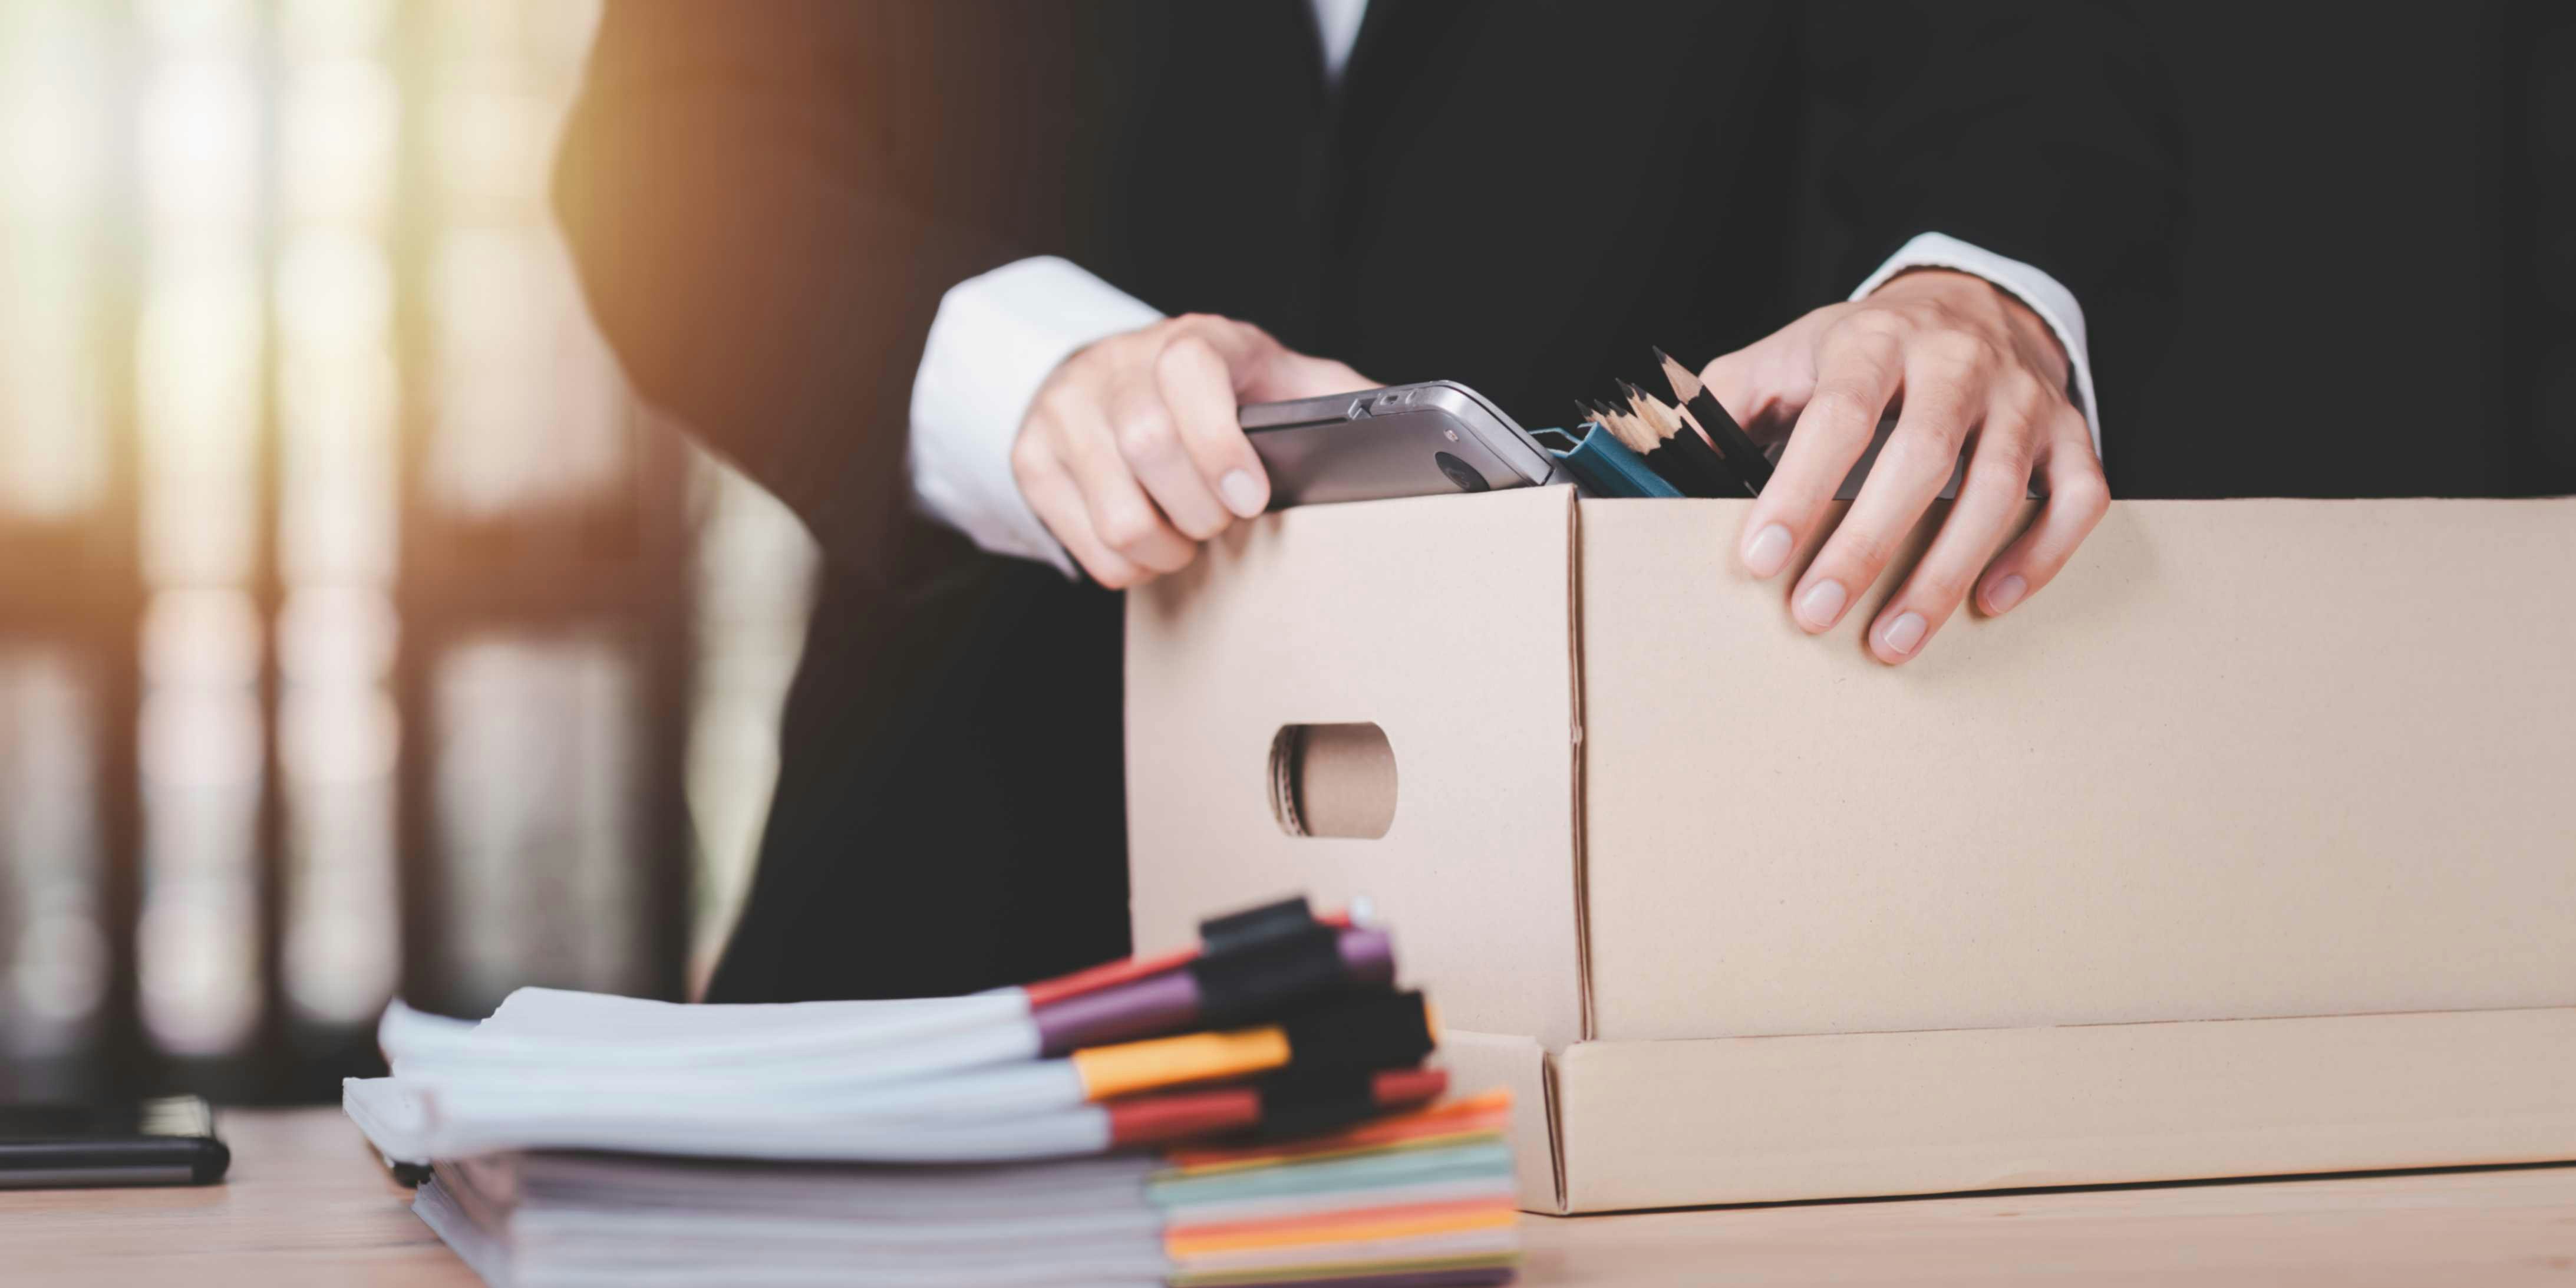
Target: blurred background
359,634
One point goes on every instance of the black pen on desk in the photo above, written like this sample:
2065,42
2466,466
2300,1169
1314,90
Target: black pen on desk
407,1175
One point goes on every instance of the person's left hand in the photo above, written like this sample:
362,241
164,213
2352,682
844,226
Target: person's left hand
1969,364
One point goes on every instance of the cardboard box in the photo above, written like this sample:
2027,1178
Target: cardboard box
2248,847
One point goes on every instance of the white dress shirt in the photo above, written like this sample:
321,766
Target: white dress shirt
999,336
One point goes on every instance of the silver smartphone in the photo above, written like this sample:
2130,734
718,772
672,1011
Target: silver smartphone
1403,440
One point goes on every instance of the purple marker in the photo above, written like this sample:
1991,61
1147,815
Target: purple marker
1175,1000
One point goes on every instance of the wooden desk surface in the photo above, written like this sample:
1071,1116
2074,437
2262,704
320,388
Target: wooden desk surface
306,1204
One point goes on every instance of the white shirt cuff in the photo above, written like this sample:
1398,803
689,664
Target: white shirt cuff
2045,295
995,341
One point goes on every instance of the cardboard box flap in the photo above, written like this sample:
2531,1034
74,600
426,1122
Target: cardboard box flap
1479,1062
1256,674
1740,1120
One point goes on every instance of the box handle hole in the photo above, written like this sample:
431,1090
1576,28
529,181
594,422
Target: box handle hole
1333,780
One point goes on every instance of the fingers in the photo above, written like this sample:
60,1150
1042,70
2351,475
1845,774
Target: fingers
1729,378
1979,520
1259,367
1198,391
1857,370
1119,513
1134,451
1965,357
2078,496
1150,441
1290,374
1058,503
1945,388
1179,430
1765,383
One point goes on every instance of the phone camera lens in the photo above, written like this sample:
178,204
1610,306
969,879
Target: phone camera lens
1460,473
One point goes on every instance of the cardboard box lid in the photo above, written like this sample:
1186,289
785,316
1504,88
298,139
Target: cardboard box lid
1759,1120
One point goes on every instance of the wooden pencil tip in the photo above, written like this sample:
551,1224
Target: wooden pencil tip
1660,418
1685,384
1630,430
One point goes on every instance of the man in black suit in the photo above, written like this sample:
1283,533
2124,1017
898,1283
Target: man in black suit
910,266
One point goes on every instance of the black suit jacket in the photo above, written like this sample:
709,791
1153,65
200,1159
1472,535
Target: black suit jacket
767,203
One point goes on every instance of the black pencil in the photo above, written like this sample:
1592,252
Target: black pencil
1711,418
1680,455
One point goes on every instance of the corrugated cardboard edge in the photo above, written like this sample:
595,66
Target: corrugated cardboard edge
1481,1061
1647,1124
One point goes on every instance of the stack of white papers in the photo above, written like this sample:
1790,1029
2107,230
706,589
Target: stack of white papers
577,1139
1432,1209
569,1221
944,1080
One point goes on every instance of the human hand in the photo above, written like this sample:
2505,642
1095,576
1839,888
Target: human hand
1131,453
1968,363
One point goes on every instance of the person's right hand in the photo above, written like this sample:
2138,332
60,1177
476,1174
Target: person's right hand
1131,454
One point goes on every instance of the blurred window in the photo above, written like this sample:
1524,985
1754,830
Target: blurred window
359,634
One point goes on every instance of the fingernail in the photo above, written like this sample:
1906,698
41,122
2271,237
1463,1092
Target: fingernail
1241,492
1822,603
1904,634
2006,593
1768,551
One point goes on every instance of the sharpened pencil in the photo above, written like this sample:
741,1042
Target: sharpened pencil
1743,456
1675,453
